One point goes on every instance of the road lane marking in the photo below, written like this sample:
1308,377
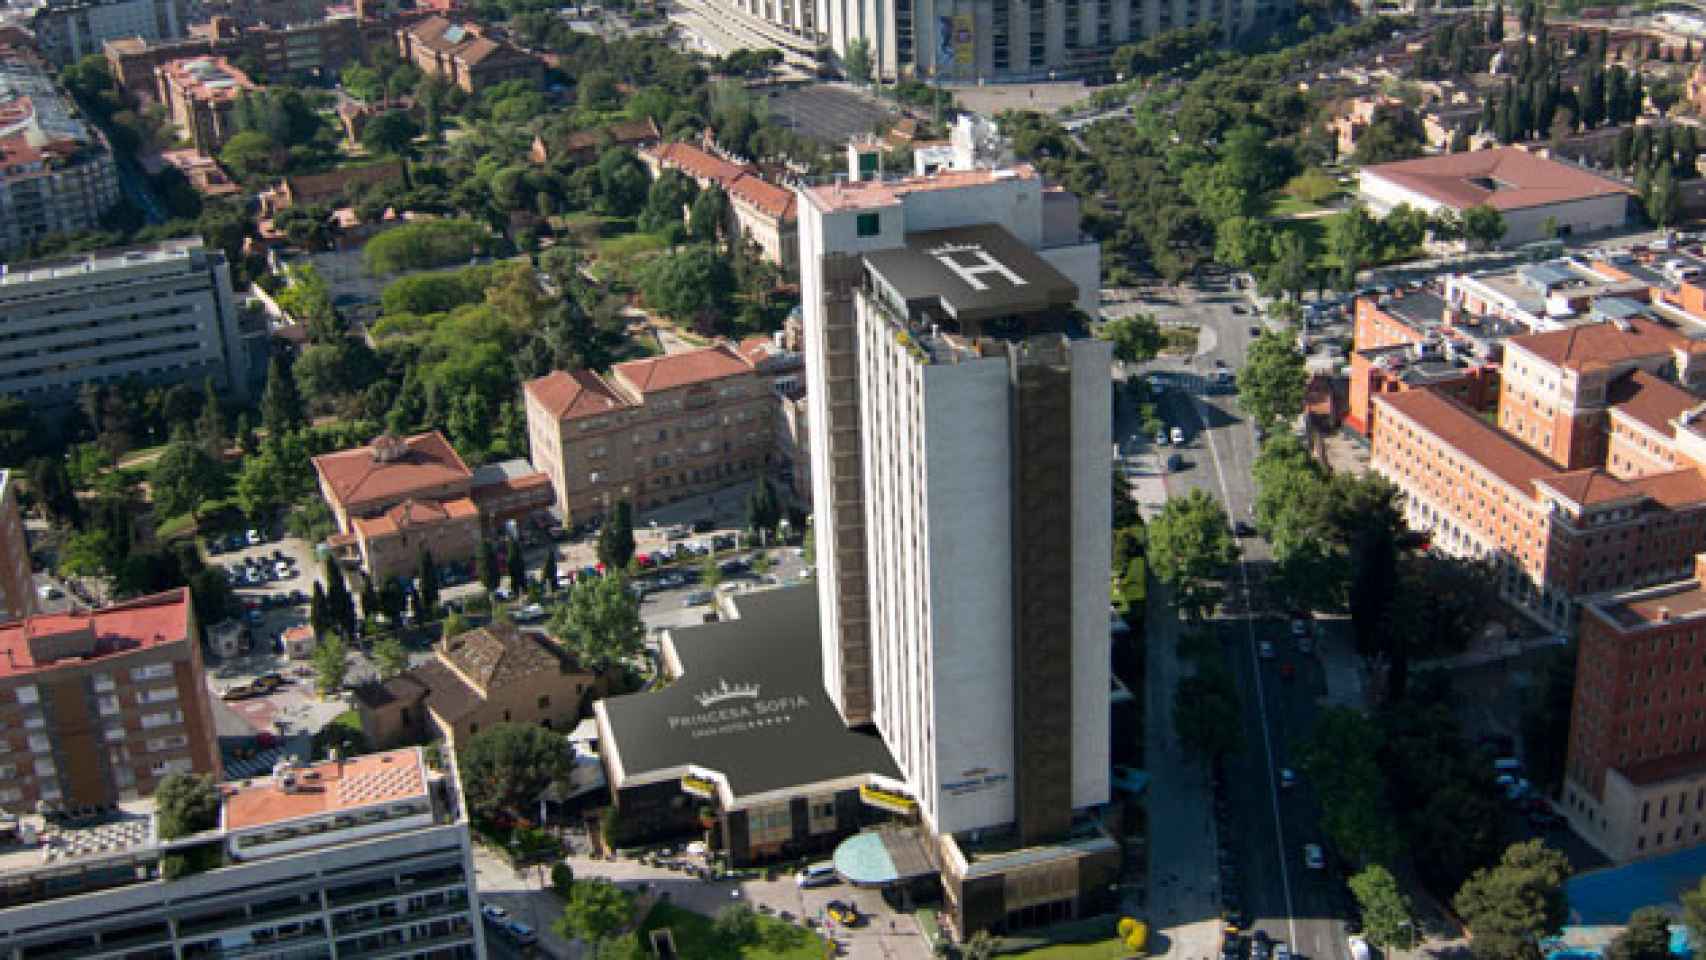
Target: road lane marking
1256,663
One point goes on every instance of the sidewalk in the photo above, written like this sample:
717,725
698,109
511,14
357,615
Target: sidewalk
1183,904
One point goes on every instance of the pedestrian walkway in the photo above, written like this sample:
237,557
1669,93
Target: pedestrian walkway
1180,901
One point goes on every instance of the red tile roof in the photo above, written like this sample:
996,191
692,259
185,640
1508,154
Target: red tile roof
139,624
1676,490
740,182
1600,344
571,394
1506,178
423,461
415,513
697,163
1590,487
667,372
1650,401
1469,435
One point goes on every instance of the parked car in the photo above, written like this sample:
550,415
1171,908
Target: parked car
522,933
255,538
493,912
1287,778
1266,649
698,597
723,541
1313,858
1177,435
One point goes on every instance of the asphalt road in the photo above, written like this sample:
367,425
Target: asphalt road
1266,827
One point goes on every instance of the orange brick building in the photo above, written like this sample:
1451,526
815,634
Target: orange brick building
653,431
1413,339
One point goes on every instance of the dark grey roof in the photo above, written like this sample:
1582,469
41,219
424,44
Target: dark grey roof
974,273
749,704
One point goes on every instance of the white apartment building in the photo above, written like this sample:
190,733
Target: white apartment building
969,40
56,170
960,460
363,858
68,30
164,313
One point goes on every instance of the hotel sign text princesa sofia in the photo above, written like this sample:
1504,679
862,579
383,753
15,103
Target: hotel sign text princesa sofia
737,708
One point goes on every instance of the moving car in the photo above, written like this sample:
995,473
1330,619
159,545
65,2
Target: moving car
1266,648
1287,778
1243,529
1313,858
241,691
820,874
1178,435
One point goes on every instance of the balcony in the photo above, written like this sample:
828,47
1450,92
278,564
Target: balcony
457,905
349,951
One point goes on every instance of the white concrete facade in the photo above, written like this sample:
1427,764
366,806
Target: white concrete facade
1007,39
938,504
1522,225
935,449
69,31
1638,820
165,314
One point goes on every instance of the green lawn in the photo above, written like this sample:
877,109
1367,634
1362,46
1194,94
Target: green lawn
1109,949
1285,206
695,938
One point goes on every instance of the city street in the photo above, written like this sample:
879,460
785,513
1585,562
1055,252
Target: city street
1267,827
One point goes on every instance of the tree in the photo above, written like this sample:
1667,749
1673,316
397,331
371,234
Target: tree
693,285
281,404
1694,911
981,946
488,566
1511,907
667,202
184,478
1354,239
1288,273
1483,226
1647,937
455,625
623,182
1135,338
597,909
1387,919
1664,199
426,589
709,216
858,60
210,426
340,606
392,132
763,509
1342,761
1190,540
252,154
507,766
331,664
548,571
736,925
616,540
1206,714
1243,242
601,622
185,804
710,573
319,615
51,482
516,562
390,657
1272,381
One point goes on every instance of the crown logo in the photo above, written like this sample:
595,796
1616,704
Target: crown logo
725,690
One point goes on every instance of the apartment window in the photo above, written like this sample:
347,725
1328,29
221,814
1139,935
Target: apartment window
28,694
44,767
869,224
162,719
39,743
544,702
113,734
154,671
108,705
103,683
157,695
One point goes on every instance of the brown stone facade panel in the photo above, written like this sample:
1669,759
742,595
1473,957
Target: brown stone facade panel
75,734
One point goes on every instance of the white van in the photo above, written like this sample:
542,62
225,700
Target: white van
817,875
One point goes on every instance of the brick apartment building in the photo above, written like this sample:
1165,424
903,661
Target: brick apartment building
1635,778
98,707
1556,388
1556,535
201,95
1414,340
654,431
400,495
460,55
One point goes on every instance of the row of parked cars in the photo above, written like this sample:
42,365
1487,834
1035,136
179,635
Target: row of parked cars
258,571
507,925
